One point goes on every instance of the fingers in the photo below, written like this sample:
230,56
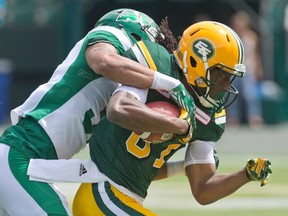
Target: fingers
259,169
264,182
183,98
267,169
267,162
251,162
265,179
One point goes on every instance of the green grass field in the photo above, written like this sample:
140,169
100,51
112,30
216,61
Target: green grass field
172,196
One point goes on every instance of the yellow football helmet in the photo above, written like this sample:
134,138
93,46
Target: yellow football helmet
207,45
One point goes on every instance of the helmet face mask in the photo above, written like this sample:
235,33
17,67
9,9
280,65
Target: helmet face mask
136,25
219,93
206,52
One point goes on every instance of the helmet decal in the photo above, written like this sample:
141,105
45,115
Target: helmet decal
203,47
135,24
133,16
139,18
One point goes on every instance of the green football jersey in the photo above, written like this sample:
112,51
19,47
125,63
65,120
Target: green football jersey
128,160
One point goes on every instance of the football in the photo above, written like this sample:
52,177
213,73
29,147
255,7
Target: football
165,108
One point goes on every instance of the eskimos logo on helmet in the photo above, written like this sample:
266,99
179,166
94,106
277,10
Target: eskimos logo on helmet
203,47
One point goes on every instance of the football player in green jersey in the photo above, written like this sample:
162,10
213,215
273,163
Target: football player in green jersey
129,164
58,118
124,165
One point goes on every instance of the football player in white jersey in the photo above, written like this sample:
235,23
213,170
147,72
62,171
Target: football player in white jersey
58,118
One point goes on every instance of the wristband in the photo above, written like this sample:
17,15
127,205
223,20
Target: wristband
175,168
164,82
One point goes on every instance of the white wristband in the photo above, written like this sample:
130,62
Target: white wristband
164,82
175,168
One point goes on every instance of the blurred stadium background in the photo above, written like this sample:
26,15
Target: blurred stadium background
36,35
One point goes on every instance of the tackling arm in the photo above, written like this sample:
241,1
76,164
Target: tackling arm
104,59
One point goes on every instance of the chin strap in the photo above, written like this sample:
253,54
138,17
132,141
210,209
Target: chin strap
208,73
209,102
184,63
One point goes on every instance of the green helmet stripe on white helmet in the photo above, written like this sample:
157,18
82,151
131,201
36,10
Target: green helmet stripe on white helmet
137,25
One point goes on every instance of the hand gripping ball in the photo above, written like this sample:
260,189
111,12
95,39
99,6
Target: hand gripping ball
165,108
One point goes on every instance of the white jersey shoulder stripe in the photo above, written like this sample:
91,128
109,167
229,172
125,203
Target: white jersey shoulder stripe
124,39
139,56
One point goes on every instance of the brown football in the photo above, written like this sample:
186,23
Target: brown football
163,107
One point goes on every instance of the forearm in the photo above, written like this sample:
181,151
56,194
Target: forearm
124,110
104,59
207,186
219,186
125,71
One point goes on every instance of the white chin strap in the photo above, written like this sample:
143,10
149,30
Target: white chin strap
208,102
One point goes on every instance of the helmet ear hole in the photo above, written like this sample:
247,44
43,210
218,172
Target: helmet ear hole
193,62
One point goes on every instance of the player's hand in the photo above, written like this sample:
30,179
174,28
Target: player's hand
183,98
259,169
184,138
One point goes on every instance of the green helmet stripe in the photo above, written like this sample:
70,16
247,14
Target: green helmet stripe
240,47
239,44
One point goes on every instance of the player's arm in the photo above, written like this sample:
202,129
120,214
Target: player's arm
207,186
104,59
127,111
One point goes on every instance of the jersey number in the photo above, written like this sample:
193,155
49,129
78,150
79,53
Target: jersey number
142,152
